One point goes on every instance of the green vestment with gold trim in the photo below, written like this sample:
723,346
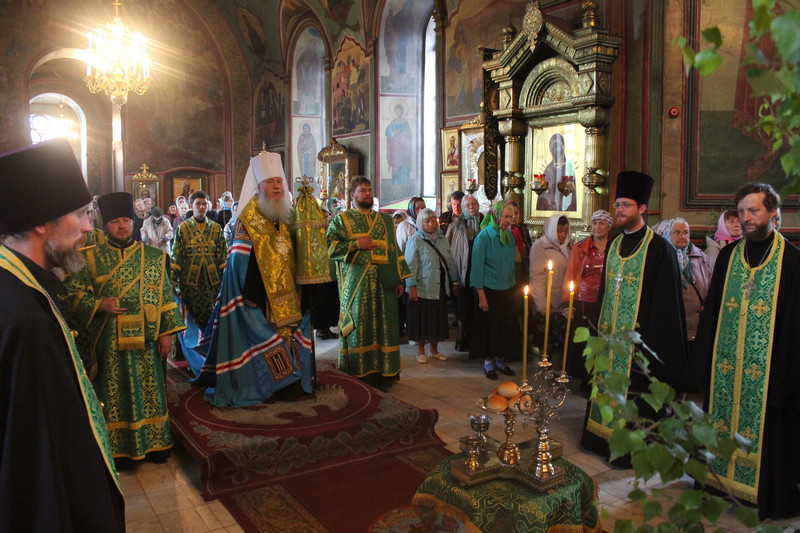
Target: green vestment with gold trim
368,280
126,370
199,252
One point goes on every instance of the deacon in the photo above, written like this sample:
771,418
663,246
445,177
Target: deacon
640,289
199,253
261,341
122,300
747,355
56,469
370,269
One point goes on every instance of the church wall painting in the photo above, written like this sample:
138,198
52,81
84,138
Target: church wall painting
398,151
306,142
350,89
473,24
401,46
557,159
722,154
179,121
252,31
269,100
309,74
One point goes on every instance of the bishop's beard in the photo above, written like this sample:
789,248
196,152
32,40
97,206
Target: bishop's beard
275,209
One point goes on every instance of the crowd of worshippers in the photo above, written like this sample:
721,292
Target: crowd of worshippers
240,293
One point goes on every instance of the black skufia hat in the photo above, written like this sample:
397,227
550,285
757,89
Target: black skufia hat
116,205
634,185
46,173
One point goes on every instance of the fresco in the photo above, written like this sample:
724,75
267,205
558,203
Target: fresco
472,25
309,72
398,158
350,89
307,141
179,121
270,121
252,31
401,45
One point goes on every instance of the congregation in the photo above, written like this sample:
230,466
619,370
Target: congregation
246,290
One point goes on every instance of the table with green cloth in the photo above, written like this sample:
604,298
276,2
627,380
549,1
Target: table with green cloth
510,506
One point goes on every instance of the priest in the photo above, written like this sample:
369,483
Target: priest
260,343
640,288
746,355
122,301
370,269
56,470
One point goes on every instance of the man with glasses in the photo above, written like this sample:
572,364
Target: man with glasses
640,288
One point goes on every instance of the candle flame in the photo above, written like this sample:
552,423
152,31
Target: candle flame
550,265
571,286
526,290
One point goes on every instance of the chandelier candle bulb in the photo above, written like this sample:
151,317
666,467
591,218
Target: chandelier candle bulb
569,323
544,361
525,337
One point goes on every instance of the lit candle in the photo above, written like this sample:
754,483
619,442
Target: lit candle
547,310
569,323
525,338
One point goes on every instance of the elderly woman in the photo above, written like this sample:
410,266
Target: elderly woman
695,272
433,279
554,248
585,269
493,278
408,227
729,230
461,234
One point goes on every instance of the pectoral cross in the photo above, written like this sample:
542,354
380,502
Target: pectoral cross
618,279
748,287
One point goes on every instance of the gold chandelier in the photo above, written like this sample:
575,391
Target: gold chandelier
116,61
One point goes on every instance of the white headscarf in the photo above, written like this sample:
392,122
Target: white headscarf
262,166
551,232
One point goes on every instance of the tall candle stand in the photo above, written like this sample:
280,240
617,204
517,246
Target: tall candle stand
530,462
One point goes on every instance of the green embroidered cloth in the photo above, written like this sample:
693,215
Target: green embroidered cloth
510,506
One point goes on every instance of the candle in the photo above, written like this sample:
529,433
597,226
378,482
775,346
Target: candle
569,323
547,310
525,338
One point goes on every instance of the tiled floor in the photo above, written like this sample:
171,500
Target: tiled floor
166,497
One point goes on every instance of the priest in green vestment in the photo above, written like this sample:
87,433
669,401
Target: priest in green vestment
122,300
640,288
746,358
199,252
370,270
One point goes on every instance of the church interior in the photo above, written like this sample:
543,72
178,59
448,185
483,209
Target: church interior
424,97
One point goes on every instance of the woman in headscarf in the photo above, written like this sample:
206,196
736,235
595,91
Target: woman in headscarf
493,278
695,272
461,234
585,270
554,247
433,279
403,231
408,227
729,230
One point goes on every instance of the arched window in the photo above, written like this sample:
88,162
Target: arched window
54,115
308,132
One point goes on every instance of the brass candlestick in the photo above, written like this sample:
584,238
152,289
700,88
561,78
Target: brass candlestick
508,452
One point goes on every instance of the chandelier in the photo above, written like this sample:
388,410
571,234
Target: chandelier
116,61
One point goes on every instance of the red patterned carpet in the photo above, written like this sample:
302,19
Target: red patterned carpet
344,500
346,423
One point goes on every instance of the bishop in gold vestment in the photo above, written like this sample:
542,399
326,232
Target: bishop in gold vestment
261,340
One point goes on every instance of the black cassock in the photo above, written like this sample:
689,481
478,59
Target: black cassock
662,325
52,472
778,495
